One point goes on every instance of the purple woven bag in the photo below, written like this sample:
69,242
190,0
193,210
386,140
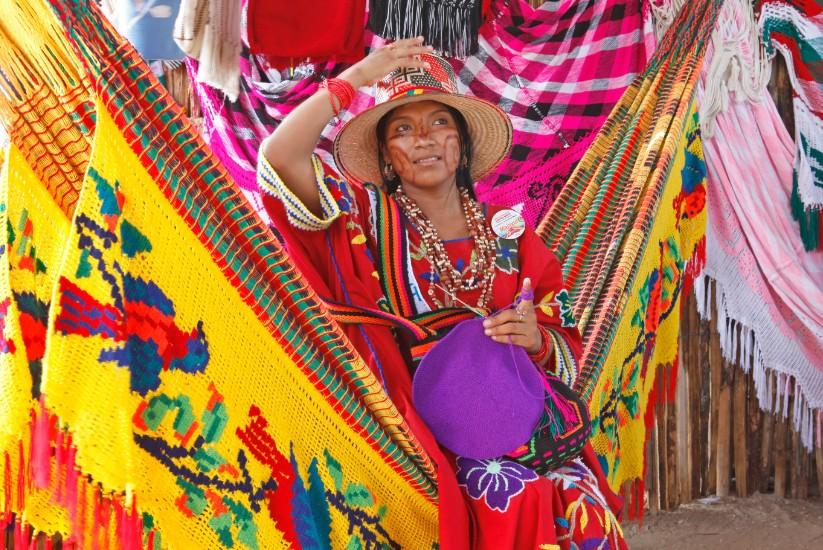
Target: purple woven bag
481,399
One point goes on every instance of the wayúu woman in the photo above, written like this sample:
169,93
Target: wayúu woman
401,232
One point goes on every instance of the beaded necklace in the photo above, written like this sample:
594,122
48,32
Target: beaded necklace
480,272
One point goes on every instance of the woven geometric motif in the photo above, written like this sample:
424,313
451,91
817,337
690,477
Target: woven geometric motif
408,81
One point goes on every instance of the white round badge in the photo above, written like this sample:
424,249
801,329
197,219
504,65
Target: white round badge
508,224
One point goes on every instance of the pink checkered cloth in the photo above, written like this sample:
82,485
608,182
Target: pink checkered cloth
557,70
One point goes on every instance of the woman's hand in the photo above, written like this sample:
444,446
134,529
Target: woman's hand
519,324
382,61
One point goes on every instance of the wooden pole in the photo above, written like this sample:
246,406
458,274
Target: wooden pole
741,426
755,433
684,477
715,383
724,425
696,443
661,427
818,458
705,413
672,494
780,455
653,470
766,451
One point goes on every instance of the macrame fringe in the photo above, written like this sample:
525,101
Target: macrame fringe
810,220
49,464
739,345
451,26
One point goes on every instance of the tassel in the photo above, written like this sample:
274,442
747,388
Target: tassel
105,521
21,478
40,458
137,527
19,534
95,519
120,524
59,463
72,481
809,220
7,490
451,26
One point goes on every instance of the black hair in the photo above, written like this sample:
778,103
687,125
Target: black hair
464,178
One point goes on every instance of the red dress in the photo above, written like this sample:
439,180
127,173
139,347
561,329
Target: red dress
494,504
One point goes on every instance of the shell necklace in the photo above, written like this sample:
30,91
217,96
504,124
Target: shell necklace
480,273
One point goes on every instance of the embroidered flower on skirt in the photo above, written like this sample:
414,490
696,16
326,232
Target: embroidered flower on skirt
496,481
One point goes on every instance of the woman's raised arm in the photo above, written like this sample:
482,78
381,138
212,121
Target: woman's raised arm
289,148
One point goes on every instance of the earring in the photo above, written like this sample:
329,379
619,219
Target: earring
388,171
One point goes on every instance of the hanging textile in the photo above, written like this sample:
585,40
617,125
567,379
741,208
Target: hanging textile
769,289
735,68
210,31
290,33
794,28
557,70
628,229
50,119
192,453
451,26
573,59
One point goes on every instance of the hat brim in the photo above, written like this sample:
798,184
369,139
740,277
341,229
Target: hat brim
355,147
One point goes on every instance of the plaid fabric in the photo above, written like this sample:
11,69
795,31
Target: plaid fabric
558,71
573,61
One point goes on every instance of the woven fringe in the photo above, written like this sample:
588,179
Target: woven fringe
95,518
809,219
739,345
451,26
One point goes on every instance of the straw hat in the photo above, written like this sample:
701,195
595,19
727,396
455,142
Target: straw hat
355,147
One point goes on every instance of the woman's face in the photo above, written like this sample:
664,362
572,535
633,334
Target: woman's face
422,143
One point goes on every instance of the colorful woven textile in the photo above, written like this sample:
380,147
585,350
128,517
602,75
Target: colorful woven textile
628,227
795,29
769,290
573,60
647,333
159,427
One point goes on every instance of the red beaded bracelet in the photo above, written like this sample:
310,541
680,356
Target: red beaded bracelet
543,353
340,89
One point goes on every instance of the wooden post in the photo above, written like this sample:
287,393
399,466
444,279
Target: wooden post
741,426
696,443
795,464
766,451
780,455
653,470
662,429
672,494
755,433
681,407
715,383
818,458
705,412
724,425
